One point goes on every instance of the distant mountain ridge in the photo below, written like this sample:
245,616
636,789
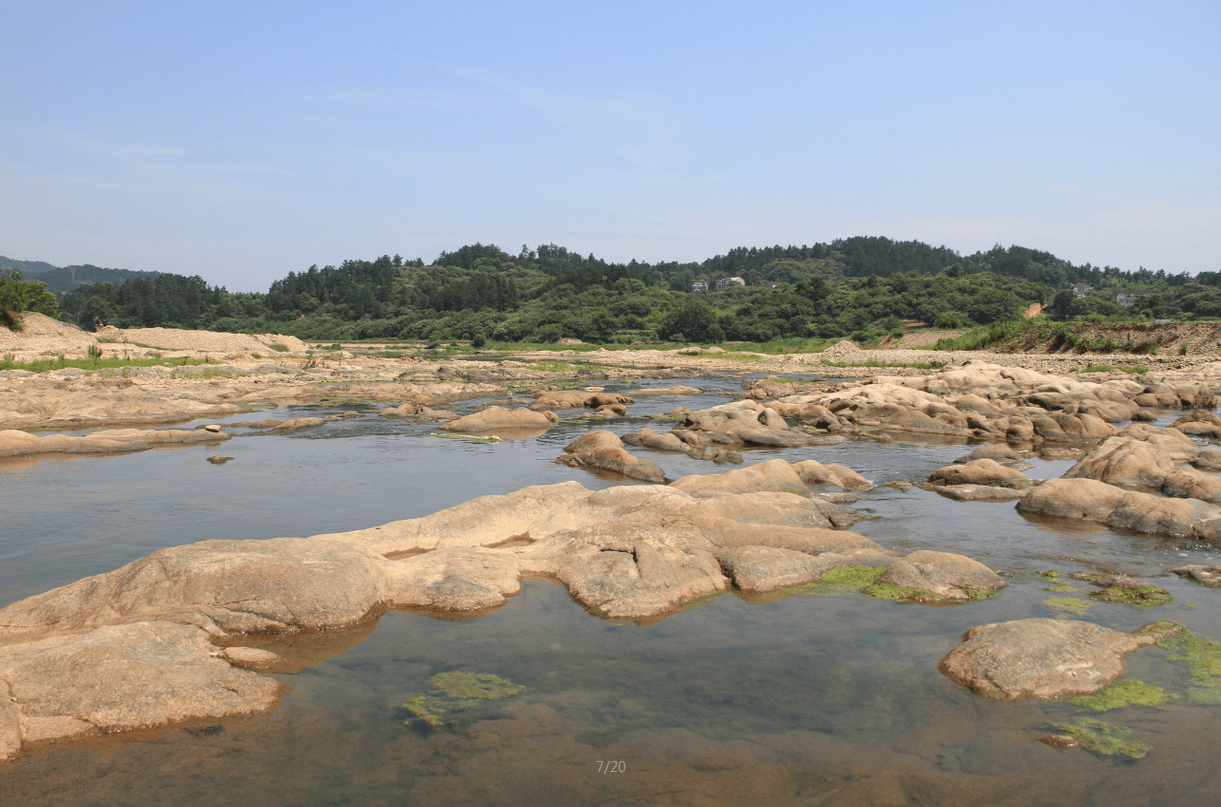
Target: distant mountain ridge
63,279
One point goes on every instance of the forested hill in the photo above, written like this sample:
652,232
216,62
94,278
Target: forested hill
849,287
62,279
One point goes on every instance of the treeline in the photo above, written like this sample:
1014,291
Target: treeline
858,287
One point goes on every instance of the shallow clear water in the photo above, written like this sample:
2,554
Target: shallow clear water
776,700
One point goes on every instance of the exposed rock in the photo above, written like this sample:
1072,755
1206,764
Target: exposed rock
742,423
1204,575
1090,500
576,399
979,493
1188,483
1140,456
774,475
604,450
282,584
648,438
628,552
998,452
979,472
139,675
15,443
416,413
813,472
1040,658
1124,589
942,576
498,419
1209,460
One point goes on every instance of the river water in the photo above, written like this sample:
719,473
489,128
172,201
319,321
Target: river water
797,698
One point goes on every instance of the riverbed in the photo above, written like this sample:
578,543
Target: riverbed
807,697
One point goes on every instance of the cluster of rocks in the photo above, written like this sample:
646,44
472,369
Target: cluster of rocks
991,402
158,635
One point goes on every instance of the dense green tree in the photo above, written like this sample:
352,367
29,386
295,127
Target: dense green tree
18,296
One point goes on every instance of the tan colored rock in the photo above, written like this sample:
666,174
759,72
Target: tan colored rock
1040,658
979,472
139,675
576,399
1188,483
774,474
943,575
648,438
14,443
979,493
604,451
743,423
1139,456
1090,500
813,472
497,419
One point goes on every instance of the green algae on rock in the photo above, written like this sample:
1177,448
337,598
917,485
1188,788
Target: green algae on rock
452,691
1056,581
1124,590
1143,597
1099,737
1128,692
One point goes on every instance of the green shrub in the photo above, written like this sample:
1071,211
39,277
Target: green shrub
277,347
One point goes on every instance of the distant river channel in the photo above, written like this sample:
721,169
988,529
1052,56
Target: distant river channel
830,698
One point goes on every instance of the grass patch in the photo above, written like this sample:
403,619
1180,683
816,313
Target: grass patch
1128,692
278,348
98,363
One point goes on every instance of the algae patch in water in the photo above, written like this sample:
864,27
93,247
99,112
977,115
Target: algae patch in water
1143,597
452,691
1056,581
1067,606
1099,737
1203,656
1124,693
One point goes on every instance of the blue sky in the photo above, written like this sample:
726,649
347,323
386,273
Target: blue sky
241,141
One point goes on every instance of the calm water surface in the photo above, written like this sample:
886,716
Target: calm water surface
803,700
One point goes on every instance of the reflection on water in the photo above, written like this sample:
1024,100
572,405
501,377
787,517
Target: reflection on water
802,700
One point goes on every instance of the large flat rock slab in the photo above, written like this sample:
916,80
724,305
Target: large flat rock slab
1040,658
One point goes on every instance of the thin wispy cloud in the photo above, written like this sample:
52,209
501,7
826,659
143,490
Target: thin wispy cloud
645,133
